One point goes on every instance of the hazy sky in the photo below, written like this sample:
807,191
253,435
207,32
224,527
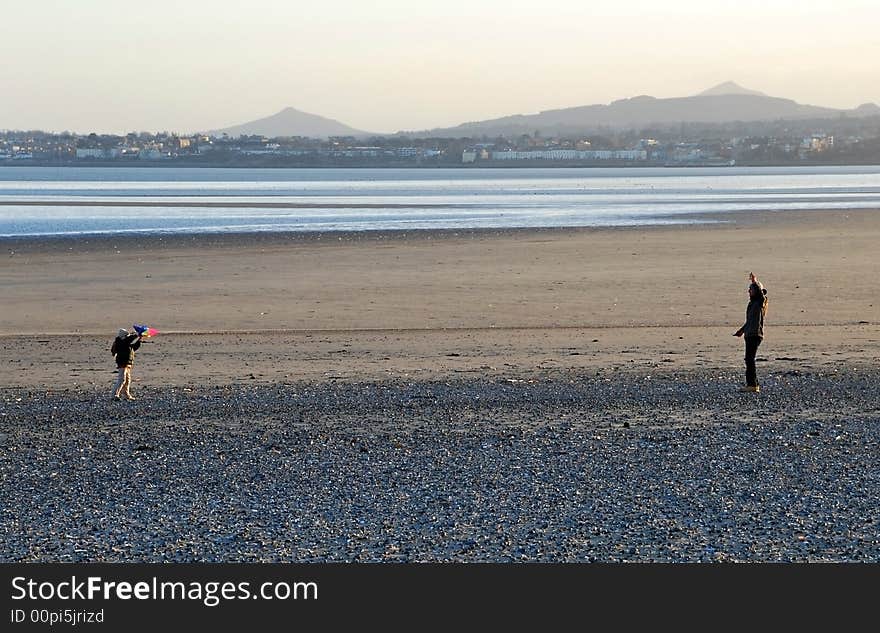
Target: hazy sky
386,65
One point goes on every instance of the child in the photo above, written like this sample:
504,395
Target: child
123,349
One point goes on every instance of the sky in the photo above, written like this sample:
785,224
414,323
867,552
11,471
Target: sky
387,65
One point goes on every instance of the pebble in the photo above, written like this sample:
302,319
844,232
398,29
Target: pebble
674,467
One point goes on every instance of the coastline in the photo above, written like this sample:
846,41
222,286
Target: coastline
502,164
205,238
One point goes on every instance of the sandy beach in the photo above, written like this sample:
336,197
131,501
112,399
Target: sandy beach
445,395
283,307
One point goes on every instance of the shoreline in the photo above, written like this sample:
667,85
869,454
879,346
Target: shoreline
692,221
282,237
504,164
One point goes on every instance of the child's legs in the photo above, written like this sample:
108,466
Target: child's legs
121,373
126,385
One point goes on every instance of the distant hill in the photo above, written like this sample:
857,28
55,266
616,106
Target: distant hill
724,103
729,88
292,122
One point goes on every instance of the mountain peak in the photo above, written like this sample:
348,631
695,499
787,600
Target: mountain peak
869,108
292,122
729,88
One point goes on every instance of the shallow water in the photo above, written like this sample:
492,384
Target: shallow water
72,200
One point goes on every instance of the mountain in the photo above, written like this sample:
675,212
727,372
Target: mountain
729,88
727,102
724,103
867,109
292,122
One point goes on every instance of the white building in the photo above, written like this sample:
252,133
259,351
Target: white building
90,152
151,154
572,154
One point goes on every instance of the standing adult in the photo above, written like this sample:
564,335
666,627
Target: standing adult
753,330
123,348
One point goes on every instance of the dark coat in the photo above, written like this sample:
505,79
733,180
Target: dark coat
755,311
123,349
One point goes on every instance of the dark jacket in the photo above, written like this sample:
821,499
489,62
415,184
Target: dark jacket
755,311
123,349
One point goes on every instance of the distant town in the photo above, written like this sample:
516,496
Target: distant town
780,143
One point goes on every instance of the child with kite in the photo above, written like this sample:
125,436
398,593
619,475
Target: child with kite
123,349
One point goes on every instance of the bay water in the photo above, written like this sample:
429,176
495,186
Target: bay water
56,201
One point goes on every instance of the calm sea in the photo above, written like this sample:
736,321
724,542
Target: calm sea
80,201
